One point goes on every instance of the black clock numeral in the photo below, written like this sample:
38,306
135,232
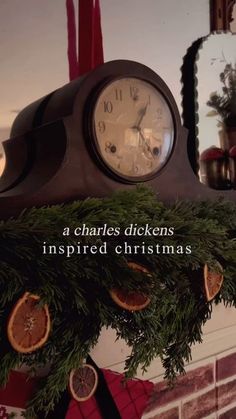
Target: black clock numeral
149,99
108,107
118,93
101,127
134,92
159,112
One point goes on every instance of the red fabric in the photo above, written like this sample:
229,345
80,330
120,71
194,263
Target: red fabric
72,50
18,390
85,35
98,41
90,36
90,53
130,399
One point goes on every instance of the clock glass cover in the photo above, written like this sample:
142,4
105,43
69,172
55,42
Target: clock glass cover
133,128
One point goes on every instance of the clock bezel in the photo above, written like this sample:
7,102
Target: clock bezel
128,69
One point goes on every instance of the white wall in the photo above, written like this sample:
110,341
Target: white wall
154,32
34,42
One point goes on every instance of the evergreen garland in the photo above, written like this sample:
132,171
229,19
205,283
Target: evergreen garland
76,289
224,104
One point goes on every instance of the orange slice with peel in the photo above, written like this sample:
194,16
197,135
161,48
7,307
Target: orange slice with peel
29,324
212,281
137,267
83,382
131,300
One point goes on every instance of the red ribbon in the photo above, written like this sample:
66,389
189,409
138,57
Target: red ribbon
90,53
71,30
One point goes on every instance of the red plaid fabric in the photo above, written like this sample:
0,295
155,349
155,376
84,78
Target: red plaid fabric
131,399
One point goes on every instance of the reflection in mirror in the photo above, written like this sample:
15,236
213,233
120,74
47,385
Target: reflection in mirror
7,118
233,22
4,133
2,160
216,109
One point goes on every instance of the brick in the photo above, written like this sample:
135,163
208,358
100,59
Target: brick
201,406
194,380
226,367
226,393
169,414
230,414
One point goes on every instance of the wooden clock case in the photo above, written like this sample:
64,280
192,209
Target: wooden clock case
49,158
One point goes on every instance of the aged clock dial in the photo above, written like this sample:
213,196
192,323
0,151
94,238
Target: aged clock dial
133,128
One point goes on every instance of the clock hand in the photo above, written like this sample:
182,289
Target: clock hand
142,113
145,142
155,138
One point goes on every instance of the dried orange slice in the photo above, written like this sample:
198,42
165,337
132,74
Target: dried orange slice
83,382
131,300
29,324
212,281
136,267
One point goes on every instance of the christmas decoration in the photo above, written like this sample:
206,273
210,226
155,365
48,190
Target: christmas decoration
224,105
29,324
53,252
131,300
88,54
131,399
212,281
214,168
83,382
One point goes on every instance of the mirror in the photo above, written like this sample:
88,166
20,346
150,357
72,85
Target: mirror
217,52
215,82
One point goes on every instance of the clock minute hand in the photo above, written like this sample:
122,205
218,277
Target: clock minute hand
142,113
145,141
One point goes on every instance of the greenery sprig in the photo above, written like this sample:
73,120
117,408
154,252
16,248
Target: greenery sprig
224,104
76,289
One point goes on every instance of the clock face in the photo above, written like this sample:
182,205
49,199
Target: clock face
133,128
